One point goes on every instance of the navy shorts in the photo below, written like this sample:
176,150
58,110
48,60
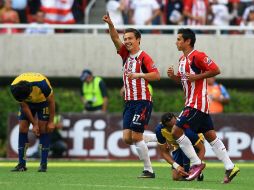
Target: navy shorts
180,158
198,121
136,115
41,110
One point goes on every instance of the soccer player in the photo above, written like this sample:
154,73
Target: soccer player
35,96
193,70
138,69
166,143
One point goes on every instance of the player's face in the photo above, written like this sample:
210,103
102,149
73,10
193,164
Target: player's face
180,43
130,41
171,123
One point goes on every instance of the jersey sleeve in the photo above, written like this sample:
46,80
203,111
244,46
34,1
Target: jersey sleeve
148,64
203,62
103,89
160,137
46,88
123,52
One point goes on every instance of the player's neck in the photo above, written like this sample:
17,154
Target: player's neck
134,51
187,51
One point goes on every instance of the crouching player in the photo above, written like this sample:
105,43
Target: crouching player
35,96
166,143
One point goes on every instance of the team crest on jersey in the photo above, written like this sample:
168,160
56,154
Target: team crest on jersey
130,66
207,60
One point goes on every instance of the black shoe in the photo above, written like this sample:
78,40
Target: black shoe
200,177
147,174
42,168
19,168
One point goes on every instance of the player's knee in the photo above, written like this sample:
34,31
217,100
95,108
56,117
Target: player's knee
127,141
23,129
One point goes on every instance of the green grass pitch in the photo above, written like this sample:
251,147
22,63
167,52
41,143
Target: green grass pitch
111,175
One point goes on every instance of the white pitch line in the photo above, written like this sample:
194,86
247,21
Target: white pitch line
112,186
134,187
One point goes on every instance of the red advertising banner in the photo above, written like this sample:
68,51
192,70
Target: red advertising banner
99,136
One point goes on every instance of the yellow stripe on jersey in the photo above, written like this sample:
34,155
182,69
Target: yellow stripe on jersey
169,138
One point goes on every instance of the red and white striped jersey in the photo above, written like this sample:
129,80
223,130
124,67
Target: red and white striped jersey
141,62
195,92
58,12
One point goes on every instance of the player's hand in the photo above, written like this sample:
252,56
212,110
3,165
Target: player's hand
190,77
181,171
170,71
106,18
135,75
50,126
36,130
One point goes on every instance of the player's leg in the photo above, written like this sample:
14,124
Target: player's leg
150,137
22,145
22,140
185,144
128,114
220,151
43,117
140,119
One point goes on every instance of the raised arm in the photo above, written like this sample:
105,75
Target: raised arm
112,31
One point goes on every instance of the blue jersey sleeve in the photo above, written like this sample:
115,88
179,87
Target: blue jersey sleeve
161,139
45,88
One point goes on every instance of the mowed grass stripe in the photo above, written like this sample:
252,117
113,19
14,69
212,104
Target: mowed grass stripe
115,164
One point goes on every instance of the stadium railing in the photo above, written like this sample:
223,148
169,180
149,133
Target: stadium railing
102,28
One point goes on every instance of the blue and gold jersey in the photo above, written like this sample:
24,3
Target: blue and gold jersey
165,136
41,87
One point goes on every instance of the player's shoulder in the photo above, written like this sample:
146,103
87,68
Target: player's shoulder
145,55
159,127
199,53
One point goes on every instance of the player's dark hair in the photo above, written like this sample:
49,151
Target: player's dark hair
166,117
134,31
21,90
187,33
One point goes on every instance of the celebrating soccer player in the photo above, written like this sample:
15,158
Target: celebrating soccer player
193,70
138,69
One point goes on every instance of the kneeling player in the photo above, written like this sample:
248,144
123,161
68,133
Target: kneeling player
179,161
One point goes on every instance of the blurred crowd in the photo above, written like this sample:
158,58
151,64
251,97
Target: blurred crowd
139,12
182,12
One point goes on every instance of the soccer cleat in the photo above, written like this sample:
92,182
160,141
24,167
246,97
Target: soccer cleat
42,168
19,168
200,177
230,174
147,174
195,170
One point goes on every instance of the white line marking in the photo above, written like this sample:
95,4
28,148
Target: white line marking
112,186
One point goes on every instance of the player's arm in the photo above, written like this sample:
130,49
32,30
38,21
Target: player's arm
25,108
209,68
164,150
104,93
112,31
51,101
172,75
153,76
